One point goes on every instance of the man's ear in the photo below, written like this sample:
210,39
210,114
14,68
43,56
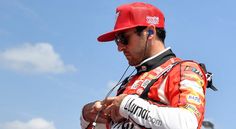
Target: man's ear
151,31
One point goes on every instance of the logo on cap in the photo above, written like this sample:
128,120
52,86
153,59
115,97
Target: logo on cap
152,20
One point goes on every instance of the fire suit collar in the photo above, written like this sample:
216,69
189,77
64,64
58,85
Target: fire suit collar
152,63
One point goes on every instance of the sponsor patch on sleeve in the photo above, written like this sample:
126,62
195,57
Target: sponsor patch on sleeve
192,69
195,99
192,85
193,109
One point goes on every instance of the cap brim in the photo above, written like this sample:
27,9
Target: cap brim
111,35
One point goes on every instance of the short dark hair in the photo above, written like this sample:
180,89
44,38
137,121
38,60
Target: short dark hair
161,33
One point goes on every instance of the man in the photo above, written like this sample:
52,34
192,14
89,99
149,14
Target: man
165,93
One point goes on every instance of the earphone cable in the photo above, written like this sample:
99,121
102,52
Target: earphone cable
108,94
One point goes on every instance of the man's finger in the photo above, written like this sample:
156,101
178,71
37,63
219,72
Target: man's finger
107,110
108,101
113,115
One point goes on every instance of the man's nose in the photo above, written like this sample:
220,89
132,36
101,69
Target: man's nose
121,47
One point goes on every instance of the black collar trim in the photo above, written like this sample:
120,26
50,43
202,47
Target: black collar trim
155,62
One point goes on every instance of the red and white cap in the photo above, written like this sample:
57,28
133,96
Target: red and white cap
133,15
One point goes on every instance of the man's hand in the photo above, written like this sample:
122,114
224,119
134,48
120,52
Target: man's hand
112,106
109,110
90,111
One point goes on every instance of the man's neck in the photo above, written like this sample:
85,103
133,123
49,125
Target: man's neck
155,55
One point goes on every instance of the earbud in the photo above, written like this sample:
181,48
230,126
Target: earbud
150,32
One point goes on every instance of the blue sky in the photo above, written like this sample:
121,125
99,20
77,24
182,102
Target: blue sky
51,63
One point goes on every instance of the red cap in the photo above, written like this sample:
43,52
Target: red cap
133,15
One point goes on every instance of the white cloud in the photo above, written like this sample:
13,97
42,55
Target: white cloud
36,123
34,58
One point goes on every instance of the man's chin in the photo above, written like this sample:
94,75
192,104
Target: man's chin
133,63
